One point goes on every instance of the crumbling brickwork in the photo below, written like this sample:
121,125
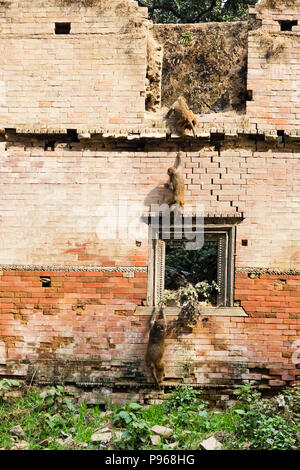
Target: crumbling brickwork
91,314
75,247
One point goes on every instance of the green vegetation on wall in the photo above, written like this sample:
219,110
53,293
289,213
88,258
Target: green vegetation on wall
197,11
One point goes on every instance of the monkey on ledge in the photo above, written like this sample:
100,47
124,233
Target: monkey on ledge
184,117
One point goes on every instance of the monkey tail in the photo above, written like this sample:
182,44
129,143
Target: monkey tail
178,162
193,129
153,371
168,113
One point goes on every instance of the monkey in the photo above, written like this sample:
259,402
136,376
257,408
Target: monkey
185,118
176,184
156,346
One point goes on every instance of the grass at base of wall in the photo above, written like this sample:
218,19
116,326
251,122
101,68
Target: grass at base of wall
52,419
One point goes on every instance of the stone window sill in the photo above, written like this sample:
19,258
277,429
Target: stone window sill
206,311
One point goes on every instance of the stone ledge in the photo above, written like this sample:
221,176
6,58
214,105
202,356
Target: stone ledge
206,311
208,130
125,269
272,271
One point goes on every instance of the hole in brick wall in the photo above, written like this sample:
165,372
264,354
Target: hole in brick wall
287,25
62,28
280,134
244,242
249,95
254,275
73,134
46,281
216,140
50,145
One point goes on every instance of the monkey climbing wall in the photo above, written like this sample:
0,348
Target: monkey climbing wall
75,253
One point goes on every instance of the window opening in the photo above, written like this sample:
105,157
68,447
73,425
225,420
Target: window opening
287,25
249,95
212,265
198,268
46,281
62,28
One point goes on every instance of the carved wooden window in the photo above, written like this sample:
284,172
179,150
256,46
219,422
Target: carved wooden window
224,237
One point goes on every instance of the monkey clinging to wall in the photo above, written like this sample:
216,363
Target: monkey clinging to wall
185,118
176,184
156,346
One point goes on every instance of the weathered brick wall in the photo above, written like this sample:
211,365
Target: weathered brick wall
83,330
273,71
272,328
82,314
74,213
54,203
84,327
92,77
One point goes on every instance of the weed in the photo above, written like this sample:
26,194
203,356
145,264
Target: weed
186,38
135,436
49,419
183,397
268,424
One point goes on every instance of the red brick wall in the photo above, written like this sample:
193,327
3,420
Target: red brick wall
82,314
273,305
84,328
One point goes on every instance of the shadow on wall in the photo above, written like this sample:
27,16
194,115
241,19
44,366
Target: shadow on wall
158,195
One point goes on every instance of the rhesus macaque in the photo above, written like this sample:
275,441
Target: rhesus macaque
156,346
185,118
176,184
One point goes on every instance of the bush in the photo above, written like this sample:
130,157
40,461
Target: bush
135,436
184,397
137,430
268,424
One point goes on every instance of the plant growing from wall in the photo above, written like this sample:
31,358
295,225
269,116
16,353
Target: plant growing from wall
188,297
186,38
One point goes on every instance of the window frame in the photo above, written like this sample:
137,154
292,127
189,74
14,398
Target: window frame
225,234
